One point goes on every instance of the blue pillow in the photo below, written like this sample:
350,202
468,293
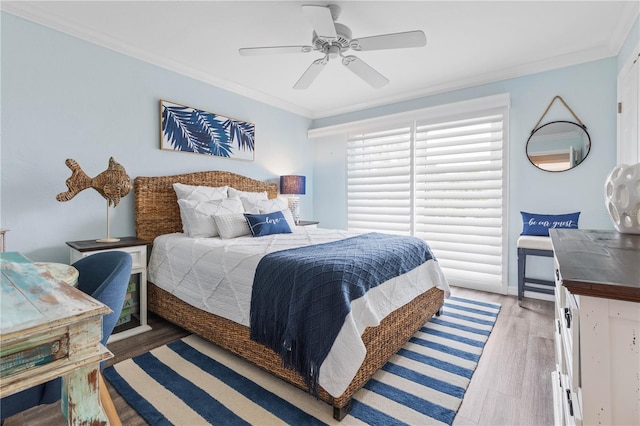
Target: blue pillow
267,224
539,224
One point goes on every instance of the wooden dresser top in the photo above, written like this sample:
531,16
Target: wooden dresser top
598,263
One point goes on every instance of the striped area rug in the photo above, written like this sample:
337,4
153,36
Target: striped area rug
193,382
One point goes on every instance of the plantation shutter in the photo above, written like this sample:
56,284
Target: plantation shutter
459,201
442,180
379,181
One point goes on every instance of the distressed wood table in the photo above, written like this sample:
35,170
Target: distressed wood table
49,329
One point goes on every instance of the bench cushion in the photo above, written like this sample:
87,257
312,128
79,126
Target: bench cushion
534,242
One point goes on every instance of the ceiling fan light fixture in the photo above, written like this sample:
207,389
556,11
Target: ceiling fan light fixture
333,51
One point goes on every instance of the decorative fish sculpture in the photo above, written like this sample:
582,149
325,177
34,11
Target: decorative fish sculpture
112,184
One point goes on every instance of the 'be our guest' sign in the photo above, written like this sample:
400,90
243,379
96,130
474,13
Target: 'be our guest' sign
539,224
553,224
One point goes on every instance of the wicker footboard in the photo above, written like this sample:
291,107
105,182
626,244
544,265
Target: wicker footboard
381,342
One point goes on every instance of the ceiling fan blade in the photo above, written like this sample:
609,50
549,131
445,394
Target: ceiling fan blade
390,41
321,20
310,74
364,71
252,51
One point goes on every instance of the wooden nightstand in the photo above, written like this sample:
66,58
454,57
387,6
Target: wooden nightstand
133,319
311,223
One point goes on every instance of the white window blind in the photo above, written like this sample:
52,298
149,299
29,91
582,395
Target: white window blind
459,196
379,181
441,180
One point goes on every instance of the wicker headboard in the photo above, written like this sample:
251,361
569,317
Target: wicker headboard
156,204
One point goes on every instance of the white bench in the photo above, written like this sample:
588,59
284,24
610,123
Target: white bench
529,245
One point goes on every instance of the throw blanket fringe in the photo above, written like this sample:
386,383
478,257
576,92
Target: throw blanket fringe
301,296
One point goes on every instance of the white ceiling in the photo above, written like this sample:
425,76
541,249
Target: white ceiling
468,42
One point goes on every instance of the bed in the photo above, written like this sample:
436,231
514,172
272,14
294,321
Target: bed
157,214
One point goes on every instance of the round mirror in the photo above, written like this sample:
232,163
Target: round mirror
558,146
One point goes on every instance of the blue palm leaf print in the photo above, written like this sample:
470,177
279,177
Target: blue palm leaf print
214,131
242,133
193,130
180,132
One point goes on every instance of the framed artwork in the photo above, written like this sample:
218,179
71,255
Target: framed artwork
189,129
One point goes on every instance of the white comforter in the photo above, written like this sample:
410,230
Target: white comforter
216,275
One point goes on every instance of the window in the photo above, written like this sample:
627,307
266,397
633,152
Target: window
442,179
379,181
459,196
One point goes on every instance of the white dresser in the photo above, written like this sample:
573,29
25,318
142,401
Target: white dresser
597,320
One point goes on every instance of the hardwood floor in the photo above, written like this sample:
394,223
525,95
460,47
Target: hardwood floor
511,386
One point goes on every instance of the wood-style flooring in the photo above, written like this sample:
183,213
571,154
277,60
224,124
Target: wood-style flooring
511,386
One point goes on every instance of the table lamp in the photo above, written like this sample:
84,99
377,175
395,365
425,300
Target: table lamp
294,185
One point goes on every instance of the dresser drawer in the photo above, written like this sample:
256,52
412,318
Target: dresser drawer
561,364
572,413
570,333
33,351
558,402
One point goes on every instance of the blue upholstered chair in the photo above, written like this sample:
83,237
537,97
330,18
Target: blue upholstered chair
105,277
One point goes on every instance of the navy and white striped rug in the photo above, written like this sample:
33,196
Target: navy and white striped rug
193,382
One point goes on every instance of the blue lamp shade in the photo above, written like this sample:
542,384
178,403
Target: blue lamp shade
292,184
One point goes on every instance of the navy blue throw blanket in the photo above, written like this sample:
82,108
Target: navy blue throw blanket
302,296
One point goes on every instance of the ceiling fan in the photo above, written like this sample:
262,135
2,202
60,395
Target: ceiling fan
333,40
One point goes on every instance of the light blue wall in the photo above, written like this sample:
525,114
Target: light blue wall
66,98
589,89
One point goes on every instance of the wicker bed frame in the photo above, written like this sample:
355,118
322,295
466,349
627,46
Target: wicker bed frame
157,213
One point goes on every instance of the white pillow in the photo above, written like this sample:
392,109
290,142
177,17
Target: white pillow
200,193
263,206
197,216
244,195
232,226
288,217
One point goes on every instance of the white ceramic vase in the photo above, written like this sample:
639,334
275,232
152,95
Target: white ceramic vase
622,198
